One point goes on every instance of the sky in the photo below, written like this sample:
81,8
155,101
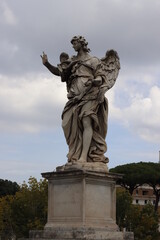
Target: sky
32,99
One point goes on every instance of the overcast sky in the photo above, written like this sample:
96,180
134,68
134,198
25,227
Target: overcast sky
32,99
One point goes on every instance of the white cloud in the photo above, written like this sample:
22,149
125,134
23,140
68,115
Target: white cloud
8,49
28,103
130,32
141,116
7,14
31,104
34,103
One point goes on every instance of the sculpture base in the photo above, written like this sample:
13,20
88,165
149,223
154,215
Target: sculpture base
81,198
84,166
80,234
81,205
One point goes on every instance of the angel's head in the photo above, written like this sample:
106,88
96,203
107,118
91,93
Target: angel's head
80,42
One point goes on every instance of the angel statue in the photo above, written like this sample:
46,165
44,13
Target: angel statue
84,118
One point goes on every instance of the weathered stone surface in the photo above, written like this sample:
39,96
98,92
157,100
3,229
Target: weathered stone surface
81,194
77,234
85,115
86,166
81,198
80,234
81,205
128,236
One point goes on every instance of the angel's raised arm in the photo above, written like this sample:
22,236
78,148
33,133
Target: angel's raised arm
50,67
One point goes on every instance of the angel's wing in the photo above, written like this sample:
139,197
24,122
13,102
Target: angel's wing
110,66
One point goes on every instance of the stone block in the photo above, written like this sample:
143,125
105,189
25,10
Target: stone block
81,206
77,234
81,199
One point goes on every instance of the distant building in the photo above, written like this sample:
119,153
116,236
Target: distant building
144,194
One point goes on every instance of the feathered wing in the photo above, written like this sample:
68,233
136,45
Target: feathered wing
110,67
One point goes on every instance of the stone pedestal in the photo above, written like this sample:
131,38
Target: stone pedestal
81,199
81,205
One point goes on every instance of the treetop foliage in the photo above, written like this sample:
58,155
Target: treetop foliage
136,174
143,221
8,187
24,211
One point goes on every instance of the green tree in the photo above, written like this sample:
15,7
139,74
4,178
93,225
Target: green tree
136,174
123,206
152,177
6,228
132,175
8,187
27,209
143,221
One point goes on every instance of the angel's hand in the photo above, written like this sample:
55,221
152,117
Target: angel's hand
44,58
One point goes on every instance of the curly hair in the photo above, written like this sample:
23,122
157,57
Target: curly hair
83,41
